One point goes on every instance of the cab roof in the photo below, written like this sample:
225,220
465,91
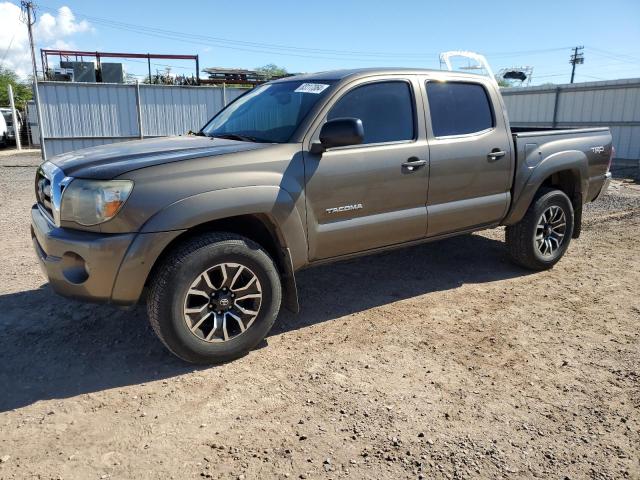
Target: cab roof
337,75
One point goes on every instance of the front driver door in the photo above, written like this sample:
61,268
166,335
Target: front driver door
367,196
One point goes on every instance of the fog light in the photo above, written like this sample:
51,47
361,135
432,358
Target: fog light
74,268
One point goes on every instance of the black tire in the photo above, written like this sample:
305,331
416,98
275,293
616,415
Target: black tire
173,278
520,237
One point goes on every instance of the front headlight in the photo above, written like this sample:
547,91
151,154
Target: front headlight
90,202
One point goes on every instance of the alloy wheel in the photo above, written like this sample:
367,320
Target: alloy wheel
550,230
222,302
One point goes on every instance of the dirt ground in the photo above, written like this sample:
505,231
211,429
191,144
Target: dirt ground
438,361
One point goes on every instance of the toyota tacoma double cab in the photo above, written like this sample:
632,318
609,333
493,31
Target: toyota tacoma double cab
212,227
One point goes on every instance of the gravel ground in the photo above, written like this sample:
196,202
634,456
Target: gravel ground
438,361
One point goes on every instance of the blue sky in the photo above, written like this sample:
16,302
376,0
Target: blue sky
311,36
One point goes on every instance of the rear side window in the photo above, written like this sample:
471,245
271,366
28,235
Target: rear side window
458,108
385,108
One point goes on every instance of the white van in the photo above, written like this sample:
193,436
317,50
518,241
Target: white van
3,132
11,128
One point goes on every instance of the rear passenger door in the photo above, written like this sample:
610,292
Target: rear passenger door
470,153
366,196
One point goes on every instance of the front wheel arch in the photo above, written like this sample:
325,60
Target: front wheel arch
258,228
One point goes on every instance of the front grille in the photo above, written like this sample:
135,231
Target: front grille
43,193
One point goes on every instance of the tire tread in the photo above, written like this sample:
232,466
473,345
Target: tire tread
173,261
518,236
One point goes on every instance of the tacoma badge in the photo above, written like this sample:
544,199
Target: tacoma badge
345,208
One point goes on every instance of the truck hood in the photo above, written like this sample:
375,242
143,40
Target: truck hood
109,161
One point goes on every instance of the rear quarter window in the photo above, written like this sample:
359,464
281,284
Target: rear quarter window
459,108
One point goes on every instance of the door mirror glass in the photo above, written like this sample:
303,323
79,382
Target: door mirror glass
341,132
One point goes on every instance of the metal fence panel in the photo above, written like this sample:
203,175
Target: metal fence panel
535,108
176,110
615,104
81,115
72,109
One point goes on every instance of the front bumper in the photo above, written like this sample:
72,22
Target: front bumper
96,267
81,265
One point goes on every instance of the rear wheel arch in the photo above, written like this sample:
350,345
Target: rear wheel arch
569,182
565,171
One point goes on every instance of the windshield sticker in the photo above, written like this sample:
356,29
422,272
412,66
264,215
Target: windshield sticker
311,88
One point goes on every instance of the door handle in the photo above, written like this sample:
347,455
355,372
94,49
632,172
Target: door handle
413,163
495,154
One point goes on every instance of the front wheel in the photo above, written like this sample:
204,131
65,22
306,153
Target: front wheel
214,298
543,235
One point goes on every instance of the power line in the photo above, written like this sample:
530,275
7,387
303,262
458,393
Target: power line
278,49
623,57
228,43
591,76
6,52
158,64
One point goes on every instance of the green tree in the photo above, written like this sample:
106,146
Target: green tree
502,83
131,78
272,71
22,92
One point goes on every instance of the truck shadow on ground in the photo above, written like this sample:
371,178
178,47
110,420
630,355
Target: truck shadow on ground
56,348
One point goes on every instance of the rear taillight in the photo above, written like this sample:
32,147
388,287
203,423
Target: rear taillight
613,154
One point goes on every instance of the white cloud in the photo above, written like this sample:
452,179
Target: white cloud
51,31
62,25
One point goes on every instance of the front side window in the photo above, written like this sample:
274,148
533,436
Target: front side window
268,113
458,108
385,109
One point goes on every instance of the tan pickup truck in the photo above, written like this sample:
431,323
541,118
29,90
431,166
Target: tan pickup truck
298,172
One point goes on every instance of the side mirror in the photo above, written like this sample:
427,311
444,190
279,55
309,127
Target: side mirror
339,132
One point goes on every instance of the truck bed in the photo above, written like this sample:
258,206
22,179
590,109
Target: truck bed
536,131
584,152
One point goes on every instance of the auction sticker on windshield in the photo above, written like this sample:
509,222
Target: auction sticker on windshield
311,88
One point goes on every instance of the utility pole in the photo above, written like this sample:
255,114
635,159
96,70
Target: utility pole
29,17
28,10
576,58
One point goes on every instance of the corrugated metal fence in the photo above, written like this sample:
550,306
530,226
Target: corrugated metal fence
614,104
79,115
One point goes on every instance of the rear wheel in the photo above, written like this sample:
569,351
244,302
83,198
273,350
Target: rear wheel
543,235
214,298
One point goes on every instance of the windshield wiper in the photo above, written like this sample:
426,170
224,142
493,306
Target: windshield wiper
242,138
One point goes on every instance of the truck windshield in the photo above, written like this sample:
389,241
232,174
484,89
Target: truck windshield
269,113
